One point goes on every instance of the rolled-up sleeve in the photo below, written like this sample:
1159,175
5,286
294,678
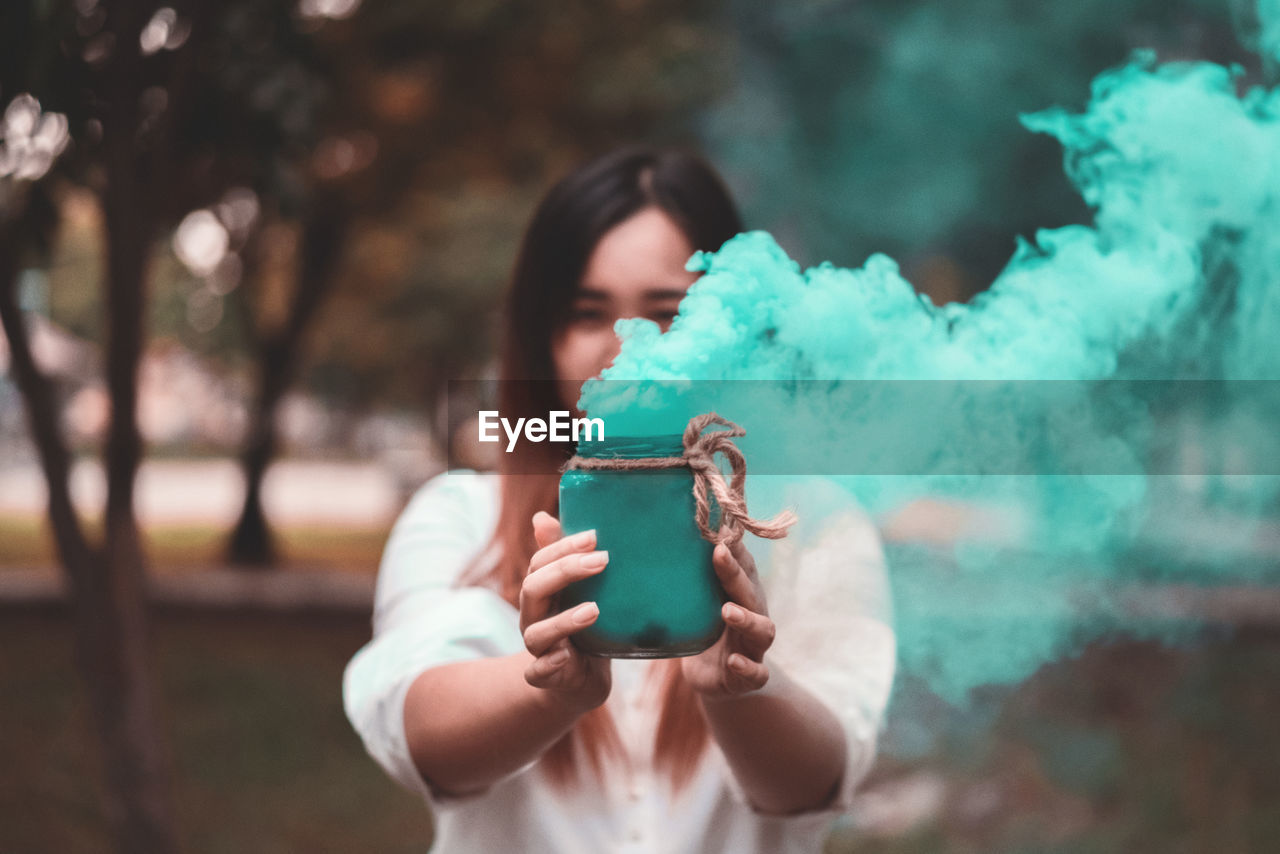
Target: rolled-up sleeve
828,594
422,619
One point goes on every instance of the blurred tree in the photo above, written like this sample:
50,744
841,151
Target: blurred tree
386,126
892,126
241,122
97,68
355,180
428,128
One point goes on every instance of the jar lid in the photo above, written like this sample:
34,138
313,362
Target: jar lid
633,447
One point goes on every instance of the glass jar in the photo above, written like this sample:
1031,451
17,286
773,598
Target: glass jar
659,596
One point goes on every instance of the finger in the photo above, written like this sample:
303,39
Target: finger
546,528
542,584
543,668
747,675
755,632
541,636
734,580
558,548
743,556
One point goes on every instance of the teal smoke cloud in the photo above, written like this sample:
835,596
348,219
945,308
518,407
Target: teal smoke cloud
1177,278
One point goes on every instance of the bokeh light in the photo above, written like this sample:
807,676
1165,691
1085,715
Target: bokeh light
30,140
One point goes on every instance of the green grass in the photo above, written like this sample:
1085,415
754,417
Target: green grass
1131,747
27,541
266,761
24,541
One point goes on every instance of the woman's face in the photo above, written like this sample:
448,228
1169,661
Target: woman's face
636,270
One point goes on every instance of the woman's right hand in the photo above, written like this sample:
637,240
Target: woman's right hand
579,680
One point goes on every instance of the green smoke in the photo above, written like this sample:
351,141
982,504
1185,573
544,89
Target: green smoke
1178,278
891,125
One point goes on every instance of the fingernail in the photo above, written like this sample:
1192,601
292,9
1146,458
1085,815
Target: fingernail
586,538
558,657
585,613
734,613
593,560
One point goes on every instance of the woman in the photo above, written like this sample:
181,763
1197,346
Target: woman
470,692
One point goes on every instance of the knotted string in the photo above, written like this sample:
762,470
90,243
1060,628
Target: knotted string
700,449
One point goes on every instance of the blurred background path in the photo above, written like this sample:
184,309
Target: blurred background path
211,491
332,515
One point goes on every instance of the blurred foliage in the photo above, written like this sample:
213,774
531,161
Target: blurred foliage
492,102
846,127
891,126
432,126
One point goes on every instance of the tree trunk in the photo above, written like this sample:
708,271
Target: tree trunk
251,544
113,651
108,610
111,613
40,402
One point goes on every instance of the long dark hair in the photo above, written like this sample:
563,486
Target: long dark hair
572,218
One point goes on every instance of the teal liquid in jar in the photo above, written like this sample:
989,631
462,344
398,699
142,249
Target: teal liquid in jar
659,596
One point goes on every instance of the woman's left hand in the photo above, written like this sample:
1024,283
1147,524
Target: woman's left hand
734,664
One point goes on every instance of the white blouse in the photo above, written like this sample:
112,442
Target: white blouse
826,592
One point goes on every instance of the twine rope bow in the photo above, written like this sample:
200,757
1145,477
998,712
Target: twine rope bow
700,449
